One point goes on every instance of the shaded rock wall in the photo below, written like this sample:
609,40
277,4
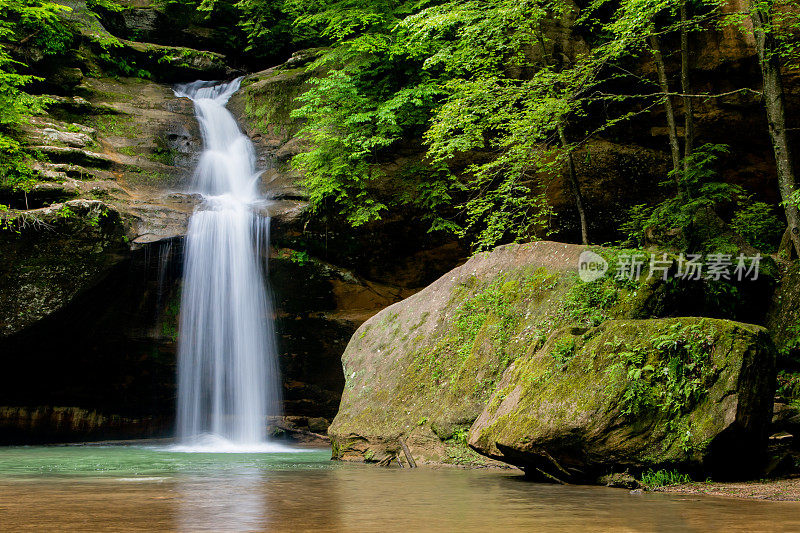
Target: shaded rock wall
110,350
318,306
57,253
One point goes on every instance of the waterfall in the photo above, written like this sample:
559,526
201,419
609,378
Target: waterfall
228,379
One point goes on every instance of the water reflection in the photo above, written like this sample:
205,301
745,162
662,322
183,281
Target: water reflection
254,498
235,502
136,489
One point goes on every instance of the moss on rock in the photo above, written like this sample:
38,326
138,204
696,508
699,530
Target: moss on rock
437,357
636,394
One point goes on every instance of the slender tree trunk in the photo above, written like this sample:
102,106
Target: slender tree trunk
673,129
576,189
776,116
688,106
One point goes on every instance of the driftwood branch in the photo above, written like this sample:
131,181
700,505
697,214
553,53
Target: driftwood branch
551,476
555,463
407,452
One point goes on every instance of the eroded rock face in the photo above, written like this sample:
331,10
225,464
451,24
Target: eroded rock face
67,424
319,306
634,395
264,105
102,192
88,312
164,62
58,252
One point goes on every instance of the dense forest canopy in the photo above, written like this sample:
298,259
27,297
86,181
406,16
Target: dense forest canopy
500,95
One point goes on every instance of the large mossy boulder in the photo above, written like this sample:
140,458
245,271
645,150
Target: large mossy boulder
423,370
691,393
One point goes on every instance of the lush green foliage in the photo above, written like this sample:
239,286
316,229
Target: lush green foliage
674,383
664,478
398,69
498,94
372,98
673,221
36,22
758,223
677,221
486,80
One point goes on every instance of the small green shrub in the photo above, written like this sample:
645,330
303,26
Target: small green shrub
563,350
460,436
664,478
788,386
672,222
758,224
589,302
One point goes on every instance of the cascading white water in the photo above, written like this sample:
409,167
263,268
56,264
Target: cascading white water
227,364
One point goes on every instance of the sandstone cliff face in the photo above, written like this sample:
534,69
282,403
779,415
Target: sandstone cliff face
89,301
111,157
88,312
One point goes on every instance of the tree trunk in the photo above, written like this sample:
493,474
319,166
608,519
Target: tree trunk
688,106
576,189
662,81
775,104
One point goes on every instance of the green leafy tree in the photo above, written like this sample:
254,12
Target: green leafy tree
373,96
504,99
32,23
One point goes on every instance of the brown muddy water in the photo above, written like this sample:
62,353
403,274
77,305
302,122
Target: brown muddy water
140,488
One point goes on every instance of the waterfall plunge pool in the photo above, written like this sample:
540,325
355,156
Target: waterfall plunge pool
141,487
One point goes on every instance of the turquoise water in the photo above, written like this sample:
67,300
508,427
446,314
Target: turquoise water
146,488
132,461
